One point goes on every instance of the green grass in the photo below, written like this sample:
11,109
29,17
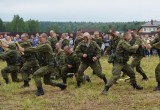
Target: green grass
120,97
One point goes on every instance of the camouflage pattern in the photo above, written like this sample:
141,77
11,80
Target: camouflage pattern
53,41
30,63
46,70
92,51
120,62
137,57
12,57
77,41
65,42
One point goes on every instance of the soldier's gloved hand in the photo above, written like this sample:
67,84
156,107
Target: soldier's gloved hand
84,55
94,59
69,66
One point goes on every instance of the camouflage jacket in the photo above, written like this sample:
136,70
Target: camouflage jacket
92,51
45,53
60,59
65,42
53,42
98,41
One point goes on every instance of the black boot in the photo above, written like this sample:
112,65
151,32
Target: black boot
62,86
158,87
104,92
39,91
64,80
145,78
137,87
87,78
6,80
105,80
26,84
78,84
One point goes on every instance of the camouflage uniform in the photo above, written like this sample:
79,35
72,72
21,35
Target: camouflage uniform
48,67
77,41
53,41
30,64
65,42
156,44
137,57
93,50
73,60
120,63
12,57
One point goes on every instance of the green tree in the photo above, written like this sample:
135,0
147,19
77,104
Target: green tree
33,26
2,27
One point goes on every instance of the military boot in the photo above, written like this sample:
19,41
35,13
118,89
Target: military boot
158,87
26,84
137,87
78,84
105,80
87,78
39,91
6,80
104,92
62,86
145,78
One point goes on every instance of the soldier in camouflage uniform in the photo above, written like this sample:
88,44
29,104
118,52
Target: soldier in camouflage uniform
72,62
53,39
89,52
137,57
12,57
64,40
79,38
156,44
120,63
48,67
30,63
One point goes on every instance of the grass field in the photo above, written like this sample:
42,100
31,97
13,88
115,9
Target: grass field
120,97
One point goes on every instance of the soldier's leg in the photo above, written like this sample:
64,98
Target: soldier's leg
98,70
82,68
157,75
64,71
14,74
116,71
5,71
100,67
48,81
25,71
129,71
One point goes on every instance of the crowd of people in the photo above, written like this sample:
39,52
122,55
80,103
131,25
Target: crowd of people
63,56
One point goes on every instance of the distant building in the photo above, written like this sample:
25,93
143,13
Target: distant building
149,27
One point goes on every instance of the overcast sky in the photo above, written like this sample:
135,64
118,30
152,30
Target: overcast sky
81,10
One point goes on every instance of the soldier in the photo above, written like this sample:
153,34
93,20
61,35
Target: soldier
72,62
89,52
64,40
30,63
120,63
53,39
60,59
156,44
48,67
79,38
137,57
12,57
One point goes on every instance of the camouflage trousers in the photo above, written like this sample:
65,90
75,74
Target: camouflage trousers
157,73
45,73
10,69
29,67
116,71
136,62
96,67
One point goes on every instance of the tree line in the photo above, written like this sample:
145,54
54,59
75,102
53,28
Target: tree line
19,25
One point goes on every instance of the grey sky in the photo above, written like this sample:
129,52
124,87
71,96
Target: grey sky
81,10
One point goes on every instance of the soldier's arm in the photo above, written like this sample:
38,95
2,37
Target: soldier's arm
129,48
156,45
39,48
78,51
5,55
98,50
